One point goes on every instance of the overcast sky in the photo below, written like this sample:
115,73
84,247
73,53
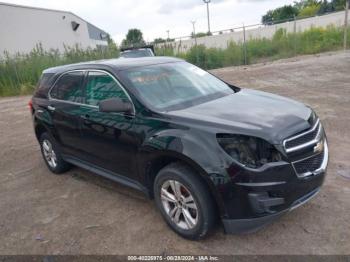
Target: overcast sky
155,17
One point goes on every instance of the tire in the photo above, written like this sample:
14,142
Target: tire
197,217
57,165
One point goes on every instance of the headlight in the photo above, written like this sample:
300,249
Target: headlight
313,118
252,152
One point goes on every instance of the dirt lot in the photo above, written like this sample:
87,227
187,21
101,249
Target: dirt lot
80,213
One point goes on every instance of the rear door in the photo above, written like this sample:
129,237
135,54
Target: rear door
65,107
109,140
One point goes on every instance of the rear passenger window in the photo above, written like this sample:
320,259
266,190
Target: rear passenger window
102,86
69,87
44,85
44,81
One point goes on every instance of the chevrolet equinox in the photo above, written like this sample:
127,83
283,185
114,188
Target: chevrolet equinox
202,148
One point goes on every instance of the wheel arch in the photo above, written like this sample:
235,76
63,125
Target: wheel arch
40,129
164,158
43,126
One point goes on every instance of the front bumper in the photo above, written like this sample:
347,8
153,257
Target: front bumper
254,199
236,226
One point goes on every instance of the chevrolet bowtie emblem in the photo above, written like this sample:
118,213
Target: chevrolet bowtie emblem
319,147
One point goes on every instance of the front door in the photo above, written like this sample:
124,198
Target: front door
109,139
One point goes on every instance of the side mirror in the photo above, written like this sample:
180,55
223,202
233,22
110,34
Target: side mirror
115,105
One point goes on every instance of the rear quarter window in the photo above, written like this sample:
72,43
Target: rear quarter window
44,84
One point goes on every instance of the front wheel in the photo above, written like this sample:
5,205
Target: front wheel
184,201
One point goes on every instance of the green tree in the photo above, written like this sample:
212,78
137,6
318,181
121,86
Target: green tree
325,7
331,6
199,34
302,8
112,47
306,3
134,37
159,40
310,10
338,4
280,14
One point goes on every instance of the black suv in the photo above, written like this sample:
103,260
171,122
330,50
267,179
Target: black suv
202,148
136,52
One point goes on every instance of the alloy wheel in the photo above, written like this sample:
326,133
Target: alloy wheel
179,204
49,153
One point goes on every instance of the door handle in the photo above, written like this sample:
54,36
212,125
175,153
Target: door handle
51,108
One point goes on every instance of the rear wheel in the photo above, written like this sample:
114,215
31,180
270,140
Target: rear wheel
52,156
184,201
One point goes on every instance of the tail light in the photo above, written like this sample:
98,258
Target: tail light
30,104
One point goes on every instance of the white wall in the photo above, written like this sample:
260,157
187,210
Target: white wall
21,28
221,41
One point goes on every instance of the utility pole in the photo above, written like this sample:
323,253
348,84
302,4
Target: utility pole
194,32
195,40
295,35
346,24
166,43
244,46
208,2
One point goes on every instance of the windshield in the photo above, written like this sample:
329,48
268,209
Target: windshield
136,53
174,86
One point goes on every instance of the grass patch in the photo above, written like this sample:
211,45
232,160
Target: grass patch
20,73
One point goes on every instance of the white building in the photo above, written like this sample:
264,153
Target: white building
22,28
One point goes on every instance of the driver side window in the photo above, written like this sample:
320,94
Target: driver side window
101,86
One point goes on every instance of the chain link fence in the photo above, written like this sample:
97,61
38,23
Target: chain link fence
249,44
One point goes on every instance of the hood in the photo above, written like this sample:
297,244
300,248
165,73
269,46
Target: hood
249,112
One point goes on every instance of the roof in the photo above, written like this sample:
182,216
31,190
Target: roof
49,10
118,64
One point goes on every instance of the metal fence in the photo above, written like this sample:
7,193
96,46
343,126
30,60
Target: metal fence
263,42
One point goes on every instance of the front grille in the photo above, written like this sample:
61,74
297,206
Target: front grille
299,146
309,165
304,139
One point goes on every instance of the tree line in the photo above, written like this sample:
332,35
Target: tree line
302,9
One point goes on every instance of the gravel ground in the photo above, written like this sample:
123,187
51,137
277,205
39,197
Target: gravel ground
80,213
